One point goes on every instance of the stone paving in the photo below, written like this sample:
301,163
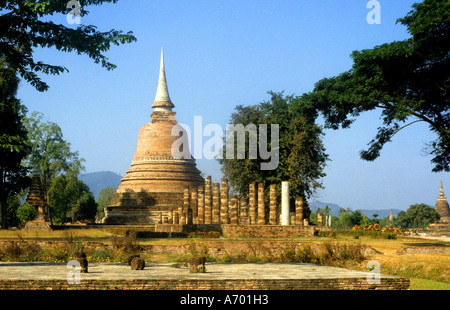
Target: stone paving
220,271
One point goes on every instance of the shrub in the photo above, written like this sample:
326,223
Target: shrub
391,236
12,251
204,234
100,256
26,212
128,244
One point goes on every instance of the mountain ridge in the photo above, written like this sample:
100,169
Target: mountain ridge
99,180
334,210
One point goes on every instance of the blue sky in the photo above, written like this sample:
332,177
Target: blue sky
219,54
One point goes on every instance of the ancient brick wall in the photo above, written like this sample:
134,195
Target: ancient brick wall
207,284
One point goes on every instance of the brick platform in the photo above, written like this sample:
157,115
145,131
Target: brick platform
161,276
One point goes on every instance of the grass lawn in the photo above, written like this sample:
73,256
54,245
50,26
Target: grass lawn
422,284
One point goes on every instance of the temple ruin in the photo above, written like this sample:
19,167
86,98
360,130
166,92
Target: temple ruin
36,198
156,180
210,207
443,209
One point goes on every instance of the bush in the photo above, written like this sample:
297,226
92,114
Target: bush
204,234
390,236
26,212
127,244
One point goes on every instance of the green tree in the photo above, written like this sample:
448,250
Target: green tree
71,198
417,216
408,81
13,141
26,213
300,151
349,218
104,198
50,154
27,24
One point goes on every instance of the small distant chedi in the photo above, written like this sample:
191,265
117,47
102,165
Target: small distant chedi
443,209
156,180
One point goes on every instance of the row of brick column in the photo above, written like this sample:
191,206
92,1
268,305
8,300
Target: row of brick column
212,204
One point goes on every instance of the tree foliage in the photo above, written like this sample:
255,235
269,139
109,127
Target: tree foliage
25,25
26,212
70,198
407,80
417,216
301,153
50,153
349,218
13,140
104,198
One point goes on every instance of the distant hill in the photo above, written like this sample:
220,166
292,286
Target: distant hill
99,180
335,210
317,204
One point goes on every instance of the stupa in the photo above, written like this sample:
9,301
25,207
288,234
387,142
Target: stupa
442,206
36,198
443,209
156,180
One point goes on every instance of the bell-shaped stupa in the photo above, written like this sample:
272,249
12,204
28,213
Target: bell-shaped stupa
156,180
442,206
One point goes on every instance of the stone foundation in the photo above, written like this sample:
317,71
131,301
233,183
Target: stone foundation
162,276
247,231
199,284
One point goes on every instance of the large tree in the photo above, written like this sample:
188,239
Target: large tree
417,216
301,154
13,141
408,81
51,155
70,198
26,25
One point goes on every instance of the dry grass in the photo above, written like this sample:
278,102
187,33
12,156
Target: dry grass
80,234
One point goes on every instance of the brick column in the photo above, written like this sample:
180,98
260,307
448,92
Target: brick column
261,206
216,203
194,205
181,215
319,219
298,211
201,205
285,216
224,201
273,205
252,203
208,200
243,213
186,204
233,210
170,220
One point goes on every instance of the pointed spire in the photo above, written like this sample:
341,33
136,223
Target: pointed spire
441,190
162,99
